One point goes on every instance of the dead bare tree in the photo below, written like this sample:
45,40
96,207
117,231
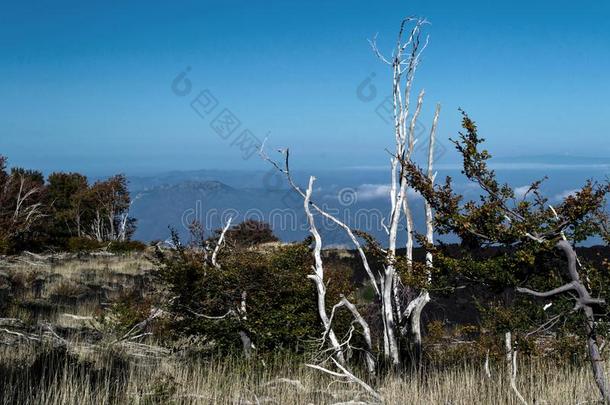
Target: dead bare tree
404,62
400,317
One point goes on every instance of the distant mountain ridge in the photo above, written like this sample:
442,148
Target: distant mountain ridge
210,196
211,203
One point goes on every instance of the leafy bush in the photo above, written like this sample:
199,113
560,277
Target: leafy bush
128,310
81,245
250,233
280,301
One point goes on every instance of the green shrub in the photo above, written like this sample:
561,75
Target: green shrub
281,301
79,244
4,246
127,311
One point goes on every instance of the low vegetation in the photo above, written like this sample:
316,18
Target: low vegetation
75,330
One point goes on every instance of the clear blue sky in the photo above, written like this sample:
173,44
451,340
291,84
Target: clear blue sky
87,85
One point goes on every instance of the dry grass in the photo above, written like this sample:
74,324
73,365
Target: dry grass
75,266
95,373
77,285
104,377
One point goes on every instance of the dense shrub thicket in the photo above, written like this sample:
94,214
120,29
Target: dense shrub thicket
262,292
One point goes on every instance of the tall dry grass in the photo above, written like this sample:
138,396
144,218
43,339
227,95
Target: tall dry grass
92,374
36,376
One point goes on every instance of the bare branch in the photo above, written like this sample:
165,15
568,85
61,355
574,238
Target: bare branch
318,276
349,377
558,290
373,43
286,171
230,312
366,331
219,243
431,176
511,360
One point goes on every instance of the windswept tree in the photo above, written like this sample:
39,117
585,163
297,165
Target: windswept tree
526,232
399,300
110,202
66,201
21,209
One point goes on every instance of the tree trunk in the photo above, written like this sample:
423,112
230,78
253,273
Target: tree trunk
597,362
584,302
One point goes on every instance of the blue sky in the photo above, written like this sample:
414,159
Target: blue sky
88,86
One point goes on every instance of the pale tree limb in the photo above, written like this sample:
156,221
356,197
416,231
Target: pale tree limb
245,338
564,237
584,302
422,300
219,243
247,344
295,383
486,365
431,176
511,361
286,171
410,228
349,377
125,217
230,312
318,276
366,330
140,326
373,43
404,183
545,294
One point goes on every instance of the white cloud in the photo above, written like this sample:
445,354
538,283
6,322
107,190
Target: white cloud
367,192
565,194
372,191
520,191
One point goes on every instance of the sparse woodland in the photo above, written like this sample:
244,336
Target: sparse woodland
515,313
65,212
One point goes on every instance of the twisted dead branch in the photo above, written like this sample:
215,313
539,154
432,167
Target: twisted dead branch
584,303
348,376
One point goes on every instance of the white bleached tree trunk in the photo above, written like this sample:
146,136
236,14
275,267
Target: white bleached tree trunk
398,316
404,63
221,239
424,297
318,276
511,363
